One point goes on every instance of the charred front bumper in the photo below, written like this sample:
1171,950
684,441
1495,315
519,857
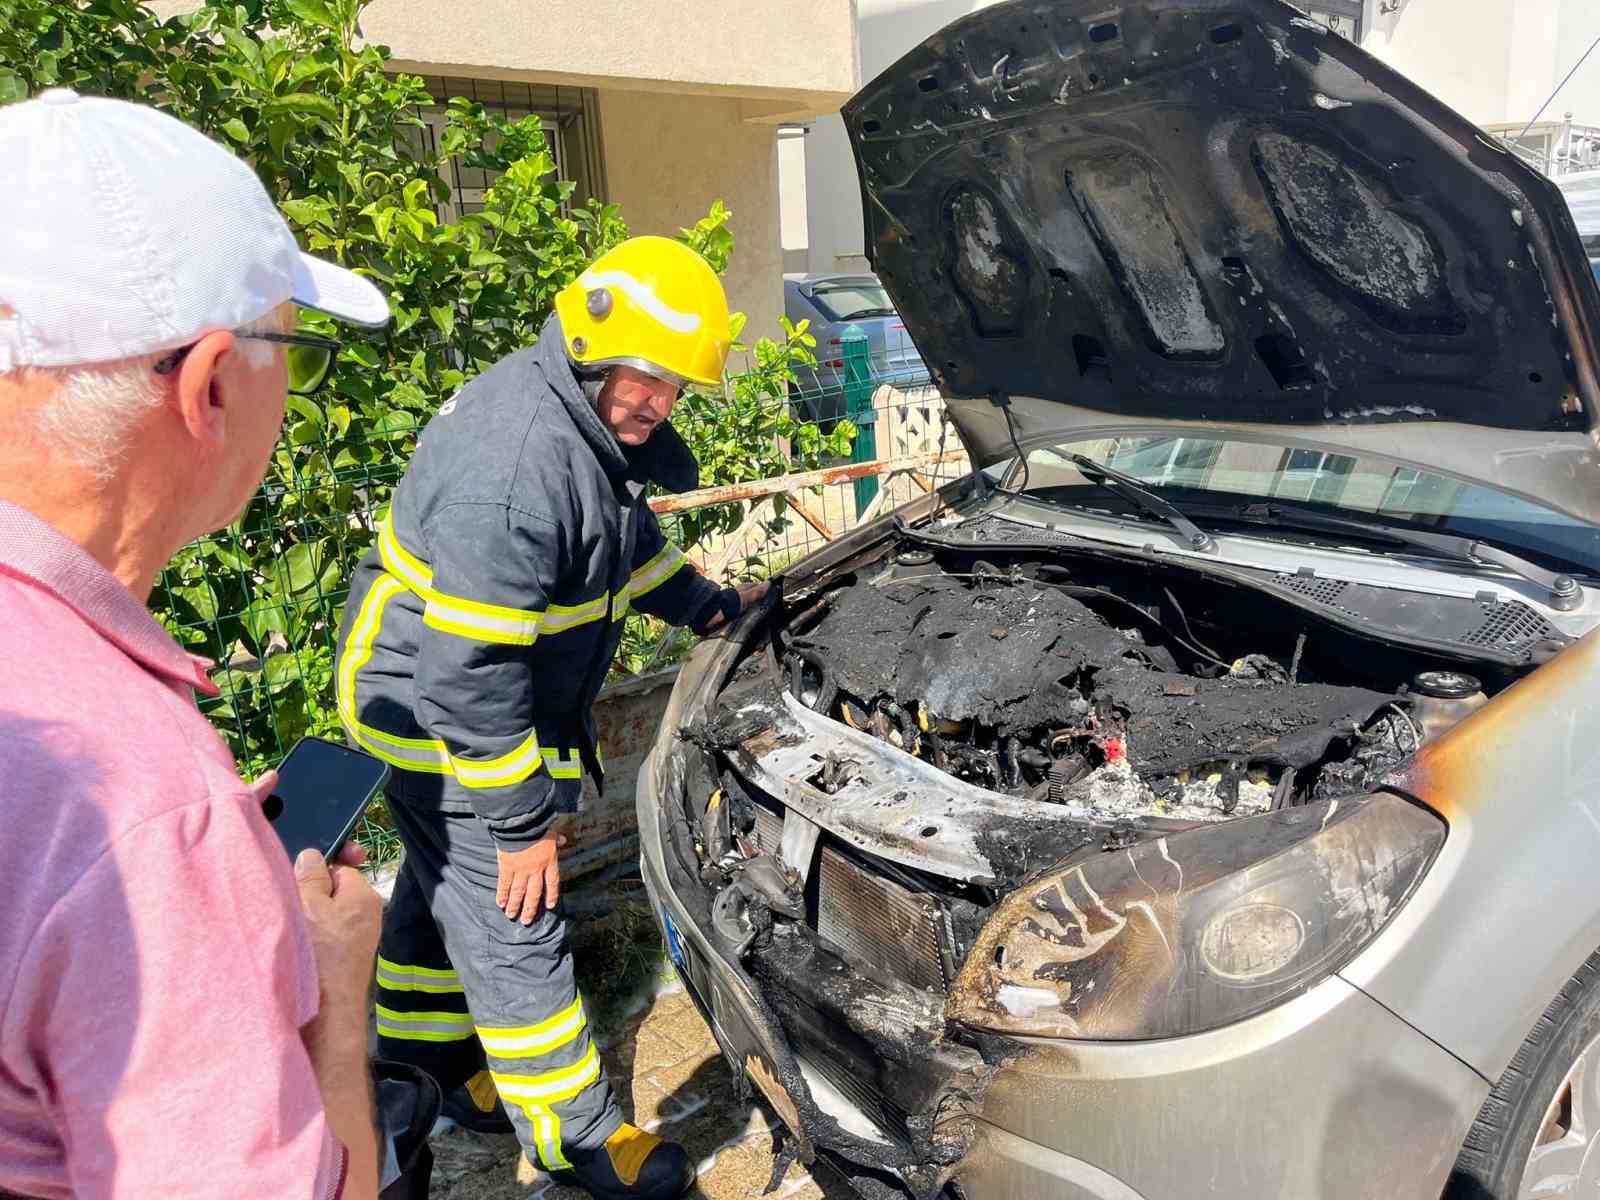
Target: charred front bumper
1325,1095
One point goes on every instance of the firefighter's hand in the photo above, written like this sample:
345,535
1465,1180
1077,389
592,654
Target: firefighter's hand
530,878
750,593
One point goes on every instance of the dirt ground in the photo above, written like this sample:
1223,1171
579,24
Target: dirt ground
669,1076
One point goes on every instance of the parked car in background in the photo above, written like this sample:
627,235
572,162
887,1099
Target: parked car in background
1202,798
836,305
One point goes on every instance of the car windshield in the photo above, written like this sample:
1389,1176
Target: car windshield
848,301
1220,472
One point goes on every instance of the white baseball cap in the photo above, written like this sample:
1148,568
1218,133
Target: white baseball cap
124,232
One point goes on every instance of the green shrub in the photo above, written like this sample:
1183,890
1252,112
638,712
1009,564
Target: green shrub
337,139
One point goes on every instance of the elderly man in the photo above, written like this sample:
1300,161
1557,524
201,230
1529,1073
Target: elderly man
478,632
181,1013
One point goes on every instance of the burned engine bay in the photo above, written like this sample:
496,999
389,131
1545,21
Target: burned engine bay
930,725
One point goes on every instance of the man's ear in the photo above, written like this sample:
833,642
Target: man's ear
202,404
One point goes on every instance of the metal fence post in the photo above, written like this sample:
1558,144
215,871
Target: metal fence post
858,408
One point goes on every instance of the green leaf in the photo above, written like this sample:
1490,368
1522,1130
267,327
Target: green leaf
302,407
300,565
236,129
312,210
444,317
302,102
314,12
362,353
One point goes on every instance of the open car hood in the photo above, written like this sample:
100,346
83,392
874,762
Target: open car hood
1215,214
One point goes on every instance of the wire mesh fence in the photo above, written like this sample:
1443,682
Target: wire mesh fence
264,598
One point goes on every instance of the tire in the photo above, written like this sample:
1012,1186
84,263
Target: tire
1495,1159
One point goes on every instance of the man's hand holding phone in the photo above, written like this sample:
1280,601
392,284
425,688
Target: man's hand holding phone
343,916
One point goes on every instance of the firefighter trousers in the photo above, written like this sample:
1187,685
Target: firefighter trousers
460,986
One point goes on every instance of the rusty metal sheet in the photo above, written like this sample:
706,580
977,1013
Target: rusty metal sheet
605,832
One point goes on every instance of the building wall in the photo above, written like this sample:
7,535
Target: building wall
1460,50
669,156
887,29
797,56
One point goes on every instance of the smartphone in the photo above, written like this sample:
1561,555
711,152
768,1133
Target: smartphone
323,788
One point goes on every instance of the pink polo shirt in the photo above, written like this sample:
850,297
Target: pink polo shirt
155,970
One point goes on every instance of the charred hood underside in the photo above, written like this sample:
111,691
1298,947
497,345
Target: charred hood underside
1214,210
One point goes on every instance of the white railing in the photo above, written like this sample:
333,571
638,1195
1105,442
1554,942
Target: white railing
1555,147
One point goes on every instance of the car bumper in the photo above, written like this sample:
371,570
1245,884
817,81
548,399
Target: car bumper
1328,1097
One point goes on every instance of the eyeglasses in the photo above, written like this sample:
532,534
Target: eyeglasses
309,358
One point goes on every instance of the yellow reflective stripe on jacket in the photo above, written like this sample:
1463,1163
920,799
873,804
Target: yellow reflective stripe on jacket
559,618
429,755
405,977
499,772
424,1026
655,572
530,1041
411,754
496,623
563,766
551,1087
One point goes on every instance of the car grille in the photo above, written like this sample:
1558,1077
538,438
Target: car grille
870,920
877,923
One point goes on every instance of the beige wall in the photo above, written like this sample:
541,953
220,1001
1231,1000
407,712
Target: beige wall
668,157
787,60
1495,61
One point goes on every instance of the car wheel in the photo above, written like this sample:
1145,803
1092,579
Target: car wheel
1537,1136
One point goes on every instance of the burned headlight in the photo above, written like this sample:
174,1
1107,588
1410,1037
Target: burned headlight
1198,929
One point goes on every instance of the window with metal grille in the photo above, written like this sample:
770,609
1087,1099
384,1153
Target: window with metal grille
1344,17
571,117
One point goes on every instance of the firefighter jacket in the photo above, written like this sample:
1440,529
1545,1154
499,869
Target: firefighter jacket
482,624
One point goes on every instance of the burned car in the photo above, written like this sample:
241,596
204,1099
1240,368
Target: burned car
1200,798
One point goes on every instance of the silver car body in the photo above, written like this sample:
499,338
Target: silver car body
1365,1083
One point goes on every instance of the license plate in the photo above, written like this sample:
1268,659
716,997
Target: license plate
674,942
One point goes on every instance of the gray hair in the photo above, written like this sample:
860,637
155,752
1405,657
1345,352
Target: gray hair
95,408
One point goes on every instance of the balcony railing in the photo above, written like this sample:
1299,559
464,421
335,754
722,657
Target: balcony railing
1555,147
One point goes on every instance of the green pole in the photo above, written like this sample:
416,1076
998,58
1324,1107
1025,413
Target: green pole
858,407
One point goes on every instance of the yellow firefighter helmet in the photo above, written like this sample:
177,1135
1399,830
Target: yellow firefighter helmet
651,303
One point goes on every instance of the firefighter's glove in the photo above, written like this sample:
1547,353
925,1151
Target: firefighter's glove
726,606
530,878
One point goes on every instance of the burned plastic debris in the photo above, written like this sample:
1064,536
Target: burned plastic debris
1018,686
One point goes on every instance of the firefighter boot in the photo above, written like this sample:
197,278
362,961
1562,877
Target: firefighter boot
475,1105
632,1165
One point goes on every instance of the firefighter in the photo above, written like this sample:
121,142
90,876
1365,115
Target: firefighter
479,630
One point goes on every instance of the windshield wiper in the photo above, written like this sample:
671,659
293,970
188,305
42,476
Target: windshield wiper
1565,594
1135,493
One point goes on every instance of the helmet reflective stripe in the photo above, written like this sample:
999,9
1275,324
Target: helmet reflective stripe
644,296
668,314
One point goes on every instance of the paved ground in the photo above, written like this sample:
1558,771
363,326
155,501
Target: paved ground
671,1078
